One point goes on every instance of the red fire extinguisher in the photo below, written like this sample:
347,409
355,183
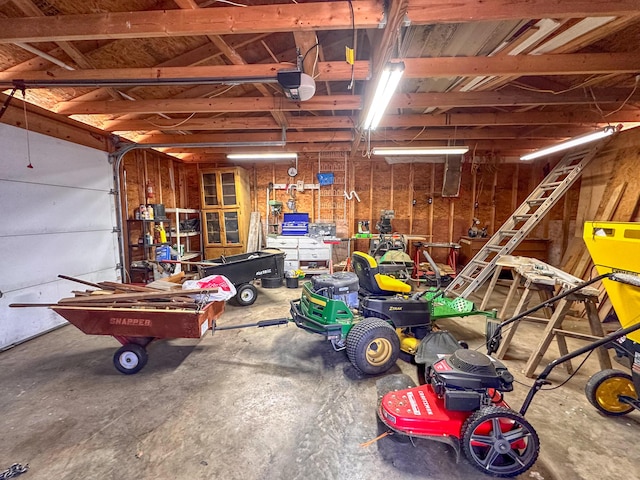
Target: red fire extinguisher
150,193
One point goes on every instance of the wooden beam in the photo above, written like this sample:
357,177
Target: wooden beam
495,133
301,149
290,18
551,135
32,10
208,105
203,21
292,137
520,65
234,123
343,102
47,123
425,12
505,147
218,74
582,117
507,98
237,59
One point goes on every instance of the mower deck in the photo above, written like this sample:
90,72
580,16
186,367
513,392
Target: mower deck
418,412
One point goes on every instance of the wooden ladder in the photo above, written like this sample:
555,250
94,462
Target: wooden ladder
524,219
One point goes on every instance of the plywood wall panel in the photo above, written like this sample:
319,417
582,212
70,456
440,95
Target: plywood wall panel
381,186
362,186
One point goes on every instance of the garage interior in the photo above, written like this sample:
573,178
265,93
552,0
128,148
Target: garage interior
132,133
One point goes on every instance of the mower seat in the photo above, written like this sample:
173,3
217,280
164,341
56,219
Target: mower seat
372,280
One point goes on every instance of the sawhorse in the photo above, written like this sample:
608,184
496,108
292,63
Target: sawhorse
542,278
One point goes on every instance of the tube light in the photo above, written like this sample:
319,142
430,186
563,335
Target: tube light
385,89
263,156
461,150
574,142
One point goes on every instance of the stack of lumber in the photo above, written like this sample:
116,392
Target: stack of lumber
163,295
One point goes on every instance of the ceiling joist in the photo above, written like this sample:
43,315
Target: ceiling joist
216,74
582,117
202,21
512,133
341,102
289,18
498,75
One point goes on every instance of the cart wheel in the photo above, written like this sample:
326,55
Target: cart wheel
500,442
373,346
130,358
604,389
246,295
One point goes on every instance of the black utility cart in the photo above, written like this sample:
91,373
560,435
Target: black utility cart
242,269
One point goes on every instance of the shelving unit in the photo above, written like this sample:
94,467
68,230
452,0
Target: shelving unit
187,240
142,247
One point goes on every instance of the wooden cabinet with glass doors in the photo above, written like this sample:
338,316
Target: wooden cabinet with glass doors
225,210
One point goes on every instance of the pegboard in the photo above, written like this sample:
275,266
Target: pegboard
332,204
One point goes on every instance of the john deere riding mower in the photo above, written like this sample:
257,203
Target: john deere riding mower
371,315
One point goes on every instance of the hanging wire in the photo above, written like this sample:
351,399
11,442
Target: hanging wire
175,125
624,103
315,61
353,44
26,125
555,92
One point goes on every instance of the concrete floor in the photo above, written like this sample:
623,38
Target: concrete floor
270,403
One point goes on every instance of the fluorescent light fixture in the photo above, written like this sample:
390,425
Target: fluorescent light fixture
263,156
574,142
384,91
461,150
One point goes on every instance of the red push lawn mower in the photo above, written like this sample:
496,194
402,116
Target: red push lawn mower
461,402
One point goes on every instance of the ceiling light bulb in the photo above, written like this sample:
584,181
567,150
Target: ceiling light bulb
447,150
574,142
263,156
387,85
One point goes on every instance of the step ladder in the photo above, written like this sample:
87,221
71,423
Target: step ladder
524,219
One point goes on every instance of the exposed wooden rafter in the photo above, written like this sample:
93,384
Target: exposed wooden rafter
582,117
289,18
341,102
494,73
327,71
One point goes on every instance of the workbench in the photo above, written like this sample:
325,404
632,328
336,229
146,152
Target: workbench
529,247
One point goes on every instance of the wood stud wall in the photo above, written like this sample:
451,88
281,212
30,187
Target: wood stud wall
490,190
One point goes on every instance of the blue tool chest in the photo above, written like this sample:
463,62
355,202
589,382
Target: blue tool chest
295,224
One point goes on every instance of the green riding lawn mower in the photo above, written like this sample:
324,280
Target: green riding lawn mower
371,315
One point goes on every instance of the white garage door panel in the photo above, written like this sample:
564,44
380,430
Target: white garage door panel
57,161
47,209
56,218
23,323
72,254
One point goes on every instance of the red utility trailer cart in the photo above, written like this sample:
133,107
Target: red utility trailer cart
135,328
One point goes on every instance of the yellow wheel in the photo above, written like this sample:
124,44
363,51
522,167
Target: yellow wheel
379,351
373,346
605,388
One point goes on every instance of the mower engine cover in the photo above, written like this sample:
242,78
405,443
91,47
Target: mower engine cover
464,378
